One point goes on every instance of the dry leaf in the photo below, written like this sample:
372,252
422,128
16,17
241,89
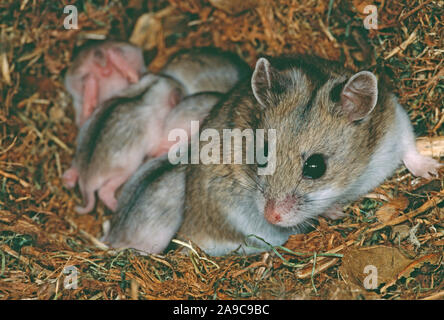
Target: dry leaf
389,262
148,27
392,209
145,32
432,258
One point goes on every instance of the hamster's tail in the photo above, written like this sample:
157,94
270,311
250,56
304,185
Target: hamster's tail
88,198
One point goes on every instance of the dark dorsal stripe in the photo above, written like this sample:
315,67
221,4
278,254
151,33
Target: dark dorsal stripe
104,114
145,181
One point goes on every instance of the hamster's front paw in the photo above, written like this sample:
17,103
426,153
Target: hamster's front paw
335,212
421,166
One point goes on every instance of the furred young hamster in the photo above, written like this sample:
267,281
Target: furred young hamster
114,141
150,206
99,72
194,107
338,136
206,69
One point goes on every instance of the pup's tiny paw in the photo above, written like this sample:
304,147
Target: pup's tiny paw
109,200
82,210
70,178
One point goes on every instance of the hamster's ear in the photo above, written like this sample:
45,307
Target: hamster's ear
359,95
174,97
266,82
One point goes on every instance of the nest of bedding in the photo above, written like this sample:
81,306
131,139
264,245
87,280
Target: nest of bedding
398,227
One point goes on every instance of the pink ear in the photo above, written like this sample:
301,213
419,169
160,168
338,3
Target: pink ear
267,83
174,98
122,66
261,80
360,95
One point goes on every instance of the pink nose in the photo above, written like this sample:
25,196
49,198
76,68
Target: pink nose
275,211
271,215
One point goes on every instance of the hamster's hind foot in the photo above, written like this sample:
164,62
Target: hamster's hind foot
70,178
107,191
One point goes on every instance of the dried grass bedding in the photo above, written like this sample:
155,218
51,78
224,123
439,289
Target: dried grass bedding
398,227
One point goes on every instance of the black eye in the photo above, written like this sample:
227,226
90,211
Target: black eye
314,167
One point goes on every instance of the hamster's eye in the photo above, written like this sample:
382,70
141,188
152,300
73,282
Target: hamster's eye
265,153
314,166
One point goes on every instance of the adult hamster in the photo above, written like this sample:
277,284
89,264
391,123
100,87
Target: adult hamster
339,134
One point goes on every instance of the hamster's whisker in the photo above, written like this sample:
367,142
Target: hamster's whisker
295,193
253,179
311,223
302,226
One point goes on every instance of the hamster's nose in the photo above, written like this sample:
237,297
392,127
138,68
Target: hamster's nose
270,213
276,211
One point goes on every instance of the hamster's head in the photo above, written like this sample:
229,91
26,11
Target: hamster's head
114,64
321,146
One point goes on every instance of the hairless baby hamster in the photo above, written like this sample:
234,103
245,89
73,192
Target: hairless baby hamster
150,206
99,72
338,135
114,141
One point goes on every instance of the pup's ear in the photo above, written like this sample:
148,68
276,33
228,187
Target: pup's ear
174,97
359,95
267,83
